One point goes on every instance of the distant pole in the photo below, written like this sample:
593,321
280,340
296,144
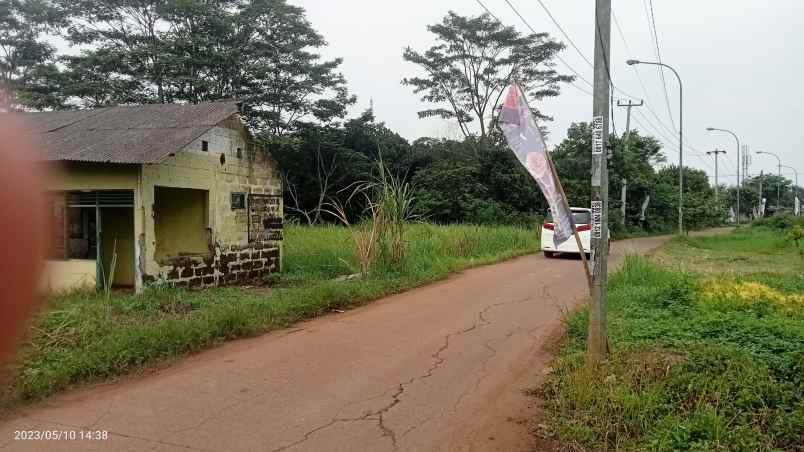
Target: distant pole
716,152
779,184
795,189
759,209
597,337
680,139
737,139
623,193
628,106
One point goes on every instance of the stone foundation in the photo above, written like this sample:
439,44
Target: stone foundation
229,265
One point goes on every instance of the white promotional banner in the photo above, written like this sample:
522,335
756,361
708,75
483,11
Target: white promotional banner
526,140
797,207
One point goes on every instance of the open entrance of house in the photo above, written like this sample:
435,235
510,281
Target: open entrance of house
181,222
100,228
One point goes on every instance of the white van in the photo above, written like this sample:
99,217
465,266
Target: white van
583,224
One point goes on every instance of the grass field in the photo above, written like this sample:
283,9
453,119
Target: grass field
83,337
708,341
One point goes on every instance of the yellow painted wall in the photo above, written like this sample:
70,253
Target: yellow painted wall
193,168
180,221
90,176
66,176
118,223
61,276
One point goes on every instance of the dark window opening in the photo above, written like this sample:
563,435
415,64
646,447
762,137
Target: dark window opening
82,235
239,153
238,201
583,217
204,146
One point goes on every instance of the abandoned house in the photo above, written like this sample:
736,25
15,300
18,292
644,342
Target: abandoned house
172,193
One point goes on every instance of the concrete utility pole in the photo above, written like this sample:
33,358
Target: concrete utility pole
759,209
597,338
623,191
716,152
623,194
779,183
795,188
746,160
628,106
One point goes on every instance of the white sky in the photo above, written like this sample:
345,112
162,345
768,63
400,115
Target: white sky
740,61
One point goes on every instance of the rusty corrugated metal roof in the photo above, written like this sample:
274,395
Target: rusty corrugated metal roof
125,134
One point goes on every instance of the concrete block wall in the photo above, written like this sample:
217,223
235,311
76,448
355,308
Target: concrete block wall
237,252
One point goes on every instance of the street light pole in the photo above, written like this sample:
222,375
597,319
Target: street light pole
779,183
738,165
680,140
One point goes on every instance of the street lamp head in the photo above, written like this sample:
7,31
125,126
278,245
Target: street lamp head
760,152
710,128
632,62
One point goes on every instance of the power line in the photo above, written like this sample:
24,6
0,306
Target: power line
488,11
572,43
648,101
558,57
671,140
652,21
574,46
608,72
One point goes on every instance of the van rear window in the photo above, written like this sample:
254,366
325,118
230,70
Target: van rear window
578,217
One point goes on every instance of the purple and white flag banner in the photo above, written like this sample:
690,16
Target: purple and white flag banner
526,140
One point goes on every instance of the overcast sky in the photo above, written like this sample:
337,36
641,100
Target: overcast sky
740,60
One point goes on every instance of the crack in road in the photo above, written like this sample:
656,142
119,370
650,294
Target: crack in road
395,398
379,415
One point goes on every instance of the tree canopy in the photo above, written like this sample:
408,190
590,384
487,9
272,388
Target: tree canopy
474,59
263,52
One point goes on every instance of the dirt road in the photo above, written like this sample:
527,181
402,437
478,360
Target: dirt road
441,367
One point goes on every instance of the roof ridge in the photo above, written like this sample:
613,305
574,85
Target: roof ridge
92,113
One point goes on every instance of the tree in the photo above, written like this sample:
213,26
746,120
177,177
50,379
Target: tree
129,36
700,208
284,80
322,163
28,75
574,165
749,193
260,51
474,59
473,182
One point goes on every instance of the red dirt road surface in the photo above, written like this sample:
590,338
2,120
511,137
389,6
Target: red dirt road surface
439,368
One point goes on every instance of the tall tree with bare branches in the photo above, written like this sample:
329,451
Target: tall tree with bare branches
466,72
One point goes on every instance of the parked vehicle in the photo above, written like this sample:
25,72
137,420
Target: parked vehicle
583,224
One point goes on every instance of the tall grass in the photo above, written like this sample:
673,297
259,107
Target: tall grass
82,337
389,209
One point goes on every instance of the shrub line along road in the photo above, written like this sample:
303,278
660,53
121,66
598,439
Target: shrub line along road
441,367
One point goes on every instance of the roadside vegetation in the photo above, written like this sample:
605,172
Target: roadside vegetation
85,337
708,351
